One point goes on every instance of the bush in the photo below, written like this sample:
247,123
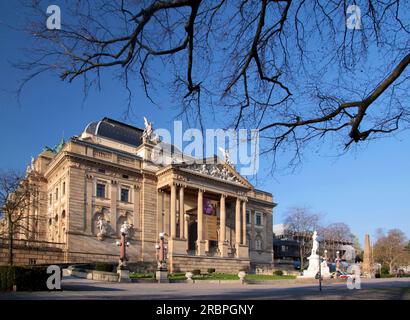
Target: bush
211,270
278,273
196,272
24,278
103,266
384,270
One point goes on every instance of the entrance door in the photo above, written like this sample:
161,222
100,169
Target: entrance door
192,236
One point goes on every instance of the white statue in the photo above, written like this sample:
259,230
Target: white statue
315,262
204,169
102,226
147,134
125,227
30,167
227,157
315,243
32,164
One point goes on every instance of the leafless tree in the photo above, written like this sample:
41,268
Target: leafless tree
335,234
390,250
19,197
292,69
300,224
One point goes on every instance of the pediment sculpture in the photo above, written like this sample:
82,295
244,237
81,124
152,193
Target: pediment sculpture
214,170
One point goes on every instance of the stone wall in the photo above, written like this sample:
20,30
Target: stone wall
225,265
26,256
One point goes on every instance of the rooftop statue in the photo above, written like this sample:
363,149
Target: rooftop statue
227,157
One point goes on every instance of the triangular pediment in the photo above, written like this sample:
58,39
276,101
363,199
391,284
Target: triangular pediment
221,171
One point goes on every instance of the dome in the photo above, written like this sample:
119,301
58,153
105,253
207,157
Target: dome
115,130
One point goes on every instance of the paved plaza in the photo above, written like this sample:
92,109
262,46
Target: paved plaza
75,288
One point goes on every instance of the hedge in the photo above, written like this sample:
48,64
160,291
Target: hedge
33,278
103,266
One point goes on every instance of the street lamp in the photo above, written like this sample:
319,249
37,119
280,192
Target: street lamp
122,268
337,261
162,271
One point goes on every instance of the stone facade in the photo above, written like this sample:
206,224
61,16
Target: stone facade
95,182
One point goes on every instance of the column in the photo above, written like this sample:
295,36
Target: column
114,197
136,214
223,219
181,213
88,212
173,201
238,224
223,247
200,243
200,215
186,220
252,219
244,222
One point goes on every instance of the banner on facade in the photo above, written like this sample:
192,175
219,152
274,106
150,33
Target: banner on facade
210,223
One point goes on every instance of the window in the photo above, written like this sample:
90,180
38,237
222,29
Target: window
248,217
100,170
284,248
125,193
50,197
100,190
56,195
258,219
125,176
63,189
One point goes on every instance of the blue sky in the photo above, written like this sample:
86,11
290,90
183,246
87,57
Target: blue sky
367,188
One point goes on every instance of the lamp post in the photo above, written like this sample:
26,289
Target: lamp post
337,261
122,268
162,271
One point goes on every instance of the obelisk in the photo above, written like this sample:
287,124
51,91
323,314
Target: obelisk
367,258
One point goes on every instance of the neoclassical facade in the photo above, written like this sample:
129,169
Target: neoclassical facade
212,216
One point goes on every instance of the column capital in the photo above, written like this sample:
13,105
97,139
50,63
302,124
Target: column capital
224,195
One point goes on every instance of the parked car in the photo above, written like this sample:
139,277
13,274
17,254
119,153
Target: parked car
340,275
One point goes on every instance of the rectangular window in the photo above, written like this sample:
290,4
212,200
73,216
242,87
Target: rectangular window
100,190
125,195
63,189
56,196
248,217
50,197
258,218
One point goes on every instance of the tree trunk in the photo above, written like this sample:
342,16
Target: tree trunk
301,258
10,244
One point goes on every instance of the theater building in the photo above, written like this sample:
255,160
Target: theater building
212,216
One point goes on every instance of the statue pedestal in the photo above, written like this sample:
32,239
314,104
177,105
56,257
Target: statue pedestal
162,276
324,270
123,275
313,268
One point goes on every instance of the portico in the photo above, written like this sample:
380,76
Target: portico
225,211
